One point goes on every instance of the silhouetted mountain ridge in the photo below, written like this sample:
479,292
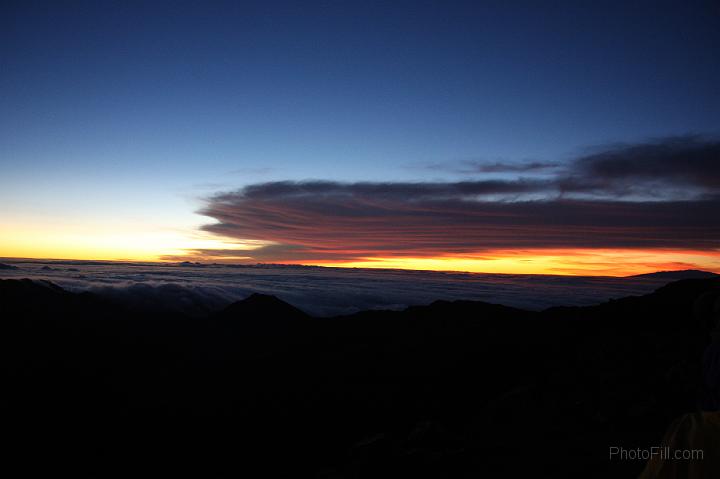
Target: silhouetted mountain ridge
260,305
450,389
680,274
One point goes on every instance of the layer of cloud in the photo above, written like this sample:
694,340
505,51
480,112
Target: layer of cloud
673,167
677,167
664,194
197,291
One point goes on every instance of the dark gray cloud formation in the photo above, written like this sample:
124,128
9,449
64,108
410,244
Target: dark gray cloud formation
688,160
664,194
686,166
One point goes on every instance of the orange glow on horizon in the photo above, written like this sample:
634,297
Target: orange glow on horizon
572,262
128,243
581,262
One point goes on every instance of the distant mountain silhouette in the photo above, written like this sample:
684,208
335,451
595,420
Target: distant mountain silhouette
7,266
41,300
451,389
261,306
677,275
260,316
193,264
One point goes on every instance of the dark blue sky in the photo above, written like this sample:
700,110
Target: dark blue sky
121,107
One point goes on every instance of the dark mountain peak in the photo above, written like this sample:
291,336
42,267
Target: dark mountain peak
262,317
191,264
678,274
26,297
25,286
7,266
262,305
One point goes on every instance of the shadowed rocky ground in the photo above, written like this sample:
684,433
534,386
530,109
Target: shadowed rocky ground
452,389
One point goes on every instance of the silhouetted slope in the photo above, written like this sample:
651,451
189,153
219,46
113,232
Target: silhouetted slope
7,266
677,275
258,325
452,389
261,307
42,299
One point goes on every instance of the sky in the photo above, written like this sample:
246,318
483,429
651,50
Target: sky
521,137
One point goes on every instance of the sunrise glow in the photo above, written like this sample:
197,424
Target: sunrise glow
334,144
114,244
555,262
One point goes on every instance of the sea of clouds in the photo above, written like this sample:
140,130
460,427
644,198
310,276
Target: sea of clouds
197,289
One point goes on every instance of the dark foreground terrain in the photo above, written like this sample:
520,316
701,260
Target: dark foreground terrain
453,389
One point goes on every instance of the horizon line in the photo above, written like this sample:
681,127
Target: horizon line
162,262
